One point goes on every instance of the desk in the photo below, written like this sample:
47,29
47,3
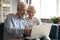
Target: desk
54,33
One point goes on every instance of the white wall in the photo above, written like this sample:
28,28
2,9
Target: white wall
36,3
22,0
14,5
48,8
59,8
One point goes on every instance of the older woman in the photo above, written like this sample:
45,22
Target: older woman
31,21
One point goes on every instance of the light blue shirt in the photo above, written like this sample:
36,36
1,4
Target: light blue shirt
14,26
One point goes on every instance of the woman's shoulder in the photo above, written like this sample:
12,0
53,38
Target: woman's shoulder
35,18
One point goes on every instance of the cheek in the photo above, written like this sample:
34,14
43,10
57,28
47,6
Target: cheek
21,11
33,14
19,14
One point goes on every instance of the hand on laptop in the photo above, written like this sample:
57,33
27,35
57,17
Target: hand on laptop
28,30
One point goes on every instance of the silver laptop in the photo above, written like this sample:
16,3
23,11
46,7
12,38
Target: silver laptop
39,31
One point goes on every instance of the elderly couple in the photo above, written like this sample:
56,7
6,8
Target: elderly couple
16,26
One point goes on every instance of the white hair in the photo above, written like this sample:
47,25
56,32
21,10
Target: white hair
20,4
31,7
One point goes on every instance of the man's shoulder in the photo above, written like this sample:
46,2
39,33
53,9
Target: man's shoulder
9,16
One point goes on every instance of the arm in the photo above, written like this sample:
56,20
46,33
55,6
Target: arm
27,29
9,28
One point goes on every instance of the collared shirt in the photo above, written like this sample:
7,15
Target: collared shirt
32,22
14,26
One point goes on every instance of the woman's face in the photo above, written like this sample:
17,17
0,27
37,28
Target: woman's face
31,13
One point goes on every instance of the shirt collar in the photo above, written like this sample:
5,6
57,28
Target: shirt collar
16,16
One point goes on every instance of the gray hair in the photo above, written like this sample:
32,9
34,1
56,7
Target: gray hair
31,7
20,4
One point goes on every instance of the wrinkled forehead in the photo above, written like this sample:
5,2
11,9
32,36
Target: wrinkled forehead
23,7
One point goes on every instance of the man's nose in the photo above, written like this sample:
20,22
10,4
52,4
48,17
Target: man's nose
24,12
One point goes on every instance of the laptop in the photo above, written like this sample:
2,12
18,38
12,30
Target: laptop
39,31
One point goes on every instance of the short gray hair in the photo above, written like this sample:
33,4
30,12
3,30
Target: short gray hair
20,4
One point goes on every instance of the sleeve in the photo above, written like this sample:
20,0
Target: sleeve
9,25
25,23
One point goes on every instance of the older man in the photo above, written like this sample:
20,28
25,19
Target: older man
15,24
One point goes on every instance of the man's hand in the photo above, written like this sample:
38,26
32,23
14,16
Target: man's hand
28,30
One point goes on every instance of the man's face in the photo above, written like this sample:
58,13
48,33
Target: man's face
22,11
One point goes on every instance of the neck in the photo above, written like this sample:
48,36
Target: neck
19,15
